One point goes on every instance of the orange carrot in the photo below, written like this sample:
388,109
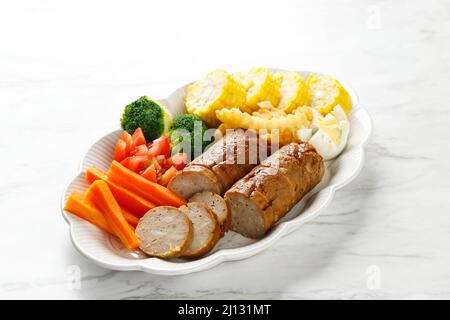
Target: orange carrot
76,205
131,218
100,194
147,189
79,206
127,199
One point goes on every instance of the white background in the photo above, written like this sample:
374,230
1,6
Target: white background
68,68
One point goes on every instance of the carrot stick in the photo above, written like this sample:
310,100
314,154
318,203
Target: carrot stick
79,206
131,218
147,189
127,199
100,194
76,205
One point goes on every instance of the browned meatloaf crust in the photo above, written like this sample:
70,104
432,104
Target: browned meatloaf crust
225,162
271,189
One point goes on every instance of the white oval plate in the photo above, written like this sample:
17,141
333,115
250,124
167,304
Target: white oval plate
106,251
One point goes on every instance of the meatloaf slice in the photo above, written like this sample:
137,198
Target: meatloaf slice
195,179
164,232
206,229
217,205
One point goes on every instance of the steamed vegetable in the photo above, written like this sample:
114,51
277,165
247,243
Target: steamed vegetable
127,199
217,90
100,195
120,152
160,146
79,206
178,160
143,187
138,137
136,163
150,173
152,117
293,91
260,85
326,93
188,127
130,217
76,205
123,146
150,160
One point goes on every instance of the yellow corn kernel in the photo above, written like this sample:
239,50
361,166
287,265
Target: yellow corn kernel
326,92
293,91
217,90
260,85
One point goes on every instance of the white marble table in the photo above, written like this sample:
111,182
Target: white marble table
66,71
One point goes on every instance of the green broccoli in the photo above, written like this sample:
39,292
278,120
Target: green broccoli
191,127
153,118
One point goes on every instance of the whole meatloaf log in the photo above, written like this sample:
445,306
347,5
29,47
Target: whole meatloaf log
221,165
271,189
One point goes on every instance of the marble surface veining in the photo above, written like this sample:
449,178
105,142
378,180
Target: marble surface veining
67,68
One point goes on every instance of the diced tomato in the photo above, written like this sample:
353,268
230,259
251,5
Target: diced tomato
150,173
125,136
162,161
140,150
126,162
168,163
167,176
120,152
178,160
138,137
160,146
135,163
156,164
138,163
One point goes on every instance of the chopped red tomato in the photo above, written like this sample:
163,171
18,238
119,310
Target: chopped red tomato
152,161
178,160
123,147
160,146
156,164
150,173
138,163
135,163
167,176
120,152
162,161
140,150
126,162
125,136
138,137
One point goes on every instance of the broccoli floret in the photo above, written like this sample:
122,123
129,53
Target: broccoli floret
153,118
188,126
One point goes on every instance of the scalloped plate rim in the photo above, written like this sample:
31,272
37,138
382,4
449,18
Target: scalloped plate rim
231,254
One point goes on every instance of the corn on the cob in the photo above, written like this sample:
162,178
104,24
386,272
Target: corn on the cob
217,90
293,90
260,85
326,92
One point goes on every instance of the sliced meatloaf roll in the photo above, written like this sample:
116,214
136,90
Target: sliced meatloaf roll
272,188
220,166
